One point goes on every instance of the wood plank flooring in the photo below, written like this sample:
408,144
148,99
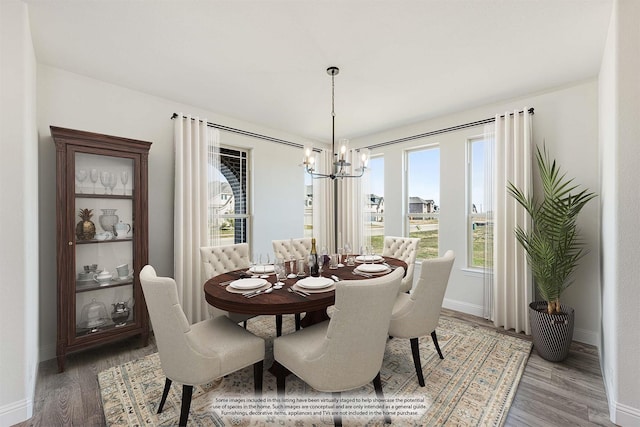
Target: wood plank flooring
570,393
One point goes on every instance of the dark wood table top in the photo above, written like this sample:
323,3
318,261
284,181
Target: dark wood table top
279,301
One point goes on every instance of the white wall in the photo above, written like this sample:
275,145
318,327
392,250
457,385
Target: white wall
73,101
567,119
620,151
18,216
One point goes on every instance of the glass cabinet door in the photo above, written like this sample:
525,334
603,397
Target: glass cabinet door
104,236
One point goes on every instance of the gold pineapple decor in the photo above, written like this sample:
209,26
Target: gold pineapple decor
85,229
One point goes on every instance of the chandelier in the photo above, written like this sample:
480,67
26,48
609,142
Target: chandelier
341,165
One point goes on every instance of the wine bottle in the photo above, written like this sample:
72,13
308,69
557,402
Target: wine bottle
314,268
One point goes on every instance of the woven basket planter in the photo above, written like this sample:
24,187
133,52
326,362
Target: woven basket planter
552,333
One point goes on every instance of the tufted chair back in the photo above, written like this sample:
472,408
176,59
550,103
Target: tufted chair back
296,248
222,259
405,249
218,260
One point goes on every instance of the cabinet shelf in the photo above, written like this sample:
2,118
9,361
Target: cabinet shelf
104,196
88,242
85,286
108,327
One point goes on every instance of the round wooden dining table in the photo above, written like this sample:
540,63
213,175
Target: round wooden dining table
281,301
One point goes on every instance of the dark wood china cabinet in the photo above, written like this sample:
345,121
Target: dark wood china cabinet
102,239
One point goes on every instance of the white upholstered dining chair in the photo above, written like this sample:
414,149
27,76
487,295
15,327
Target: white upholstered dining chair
199,353
292,248
287,250
217,260
346,351
416,314
405,249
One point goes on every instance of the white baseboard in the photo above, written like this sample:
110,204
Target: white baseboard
581,335
587,337
625,416
16,412
464,307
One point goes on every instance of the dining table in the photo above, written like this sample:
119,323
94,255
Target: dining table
227,292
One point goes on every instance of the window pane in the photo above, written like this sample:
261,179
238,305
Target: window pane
423,188
479,227
374,209
228,207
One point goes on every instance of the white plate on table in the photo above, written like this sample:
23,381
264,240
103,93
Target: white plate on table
372,268
369,258
262,269
315,282
247,284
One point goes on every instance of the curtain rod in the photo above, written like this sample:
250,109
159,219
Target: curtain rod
248,133
440,131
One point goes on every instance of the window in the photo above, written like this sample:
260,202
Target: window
308,205
479,226
228,207
374,208
423,190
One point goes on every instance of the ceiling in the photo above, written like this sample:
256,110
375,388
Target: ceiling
264,61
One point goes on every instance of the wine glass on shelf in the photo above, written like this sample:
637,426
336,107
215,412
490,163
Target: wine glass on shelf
124,177
81,175
93,175
104,180
113,180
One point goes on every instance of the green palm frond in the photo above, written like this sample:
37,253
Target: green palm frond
552,244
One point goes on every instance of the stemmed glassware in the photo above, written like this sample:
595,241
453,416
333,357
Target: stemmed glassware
104,180
81,175
113,180
93,175
124,177
292,267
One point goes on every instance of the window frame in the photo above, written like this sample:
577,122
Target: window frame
470,216
246,216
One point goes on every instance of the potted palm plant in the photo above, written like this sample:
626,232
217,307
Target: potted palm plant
554,247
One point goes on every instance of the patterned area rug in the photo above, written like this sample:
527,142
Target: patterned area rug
473,386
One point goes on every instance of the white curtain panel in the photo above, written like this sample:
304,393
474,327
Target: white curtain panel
192,139
489,200
323,223
352,194
512,280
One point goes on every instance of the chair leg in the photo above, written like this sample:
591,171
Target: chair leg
165,393
278,325
337,412
377,385
281,376
297,321
187,391
257,377
415,351
435,342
